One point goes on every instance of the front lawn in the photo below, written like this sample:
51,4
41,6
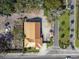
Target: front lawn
77,28
64,30
77,43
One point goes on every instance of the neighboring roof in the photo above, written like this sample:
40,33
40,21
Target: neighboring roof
36,19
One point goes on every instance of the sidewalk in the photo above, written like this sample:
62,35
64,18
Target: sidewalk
43,51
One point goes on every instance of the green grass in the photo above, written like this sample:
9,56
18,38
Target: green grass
77,29
77,43
64,30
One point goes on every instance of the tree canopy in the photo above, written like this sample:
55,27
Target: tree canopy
52,4
10,6
7,6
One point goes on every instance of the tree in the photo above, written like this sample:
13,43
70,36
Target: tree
23,5
51,7
52,4
7,6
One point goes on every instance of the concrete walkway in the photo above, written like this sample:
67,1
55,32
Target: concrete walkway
43,50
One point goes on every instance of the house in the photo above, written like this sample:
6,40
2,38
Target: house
32,31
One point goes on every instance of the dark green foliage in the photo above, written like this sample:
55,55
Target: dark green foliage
63,22
31,49
50,43
52,4
64,44
11,6
7,6
62,35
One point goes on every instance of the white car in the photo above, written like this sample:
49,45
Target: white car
68,57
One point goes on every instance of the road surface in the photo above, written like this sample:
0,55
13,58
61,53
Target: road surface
72,18
39,57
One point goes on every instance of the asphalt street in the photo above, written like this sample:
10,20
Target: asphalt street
72,18
39,57
61,51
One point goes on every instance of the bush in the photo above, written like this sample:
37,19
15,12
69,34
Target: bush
64,44
63,22
62,36
31,49
50,43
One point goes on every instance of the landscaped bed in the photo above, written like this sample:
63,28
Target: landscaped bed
77,29
50,43
18,35
31,49
77,43
64,30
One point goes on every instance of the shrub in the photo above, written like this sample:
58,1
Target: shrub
62,36
50,43
31,49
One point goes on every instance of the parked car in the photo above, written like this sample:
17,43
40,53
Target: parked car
7,23
68,57
72,6
72,29
71,35
72,45
72,21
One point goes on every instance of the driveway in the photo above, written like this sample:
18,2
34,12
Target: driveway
56,34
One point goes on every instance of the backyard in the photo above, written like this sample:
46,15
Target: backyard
18,34
64,30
